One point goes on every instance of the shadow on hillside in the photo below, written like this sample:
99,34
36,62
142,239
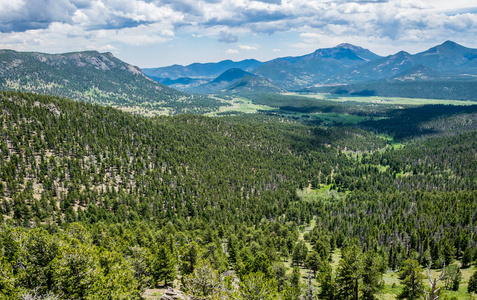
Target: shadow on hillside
407,123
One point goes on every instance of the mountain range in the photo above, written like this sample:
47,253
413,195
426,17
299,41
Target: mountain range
96,77
342,65
446,71
199,70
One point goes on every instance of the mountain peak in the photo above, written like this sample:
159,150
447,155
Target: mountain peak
449,44
347,54
231,75
347,46
401,54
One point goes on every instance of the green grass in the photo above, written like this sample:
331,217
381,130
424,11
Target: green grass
239,104
391,141
244,105
391,286
383,100
324,192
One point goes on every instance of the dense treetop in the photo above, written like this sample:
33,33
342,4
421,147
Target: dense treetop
96,202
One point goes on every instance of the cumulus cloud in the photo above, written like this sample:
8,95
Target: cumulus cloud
247,47
99,23
232,51
227,37
20,16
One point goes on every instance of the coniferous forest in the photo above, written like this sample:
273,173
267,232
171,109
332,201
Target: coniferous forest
96,203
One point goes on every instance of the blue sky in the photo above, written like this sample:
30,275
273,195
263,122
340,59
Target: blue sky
153,33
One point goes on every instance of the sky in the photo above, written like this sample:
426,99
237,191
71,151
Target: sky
155,33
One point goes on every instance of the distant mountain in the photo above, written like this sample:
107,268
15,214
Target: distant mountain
321,66
184,84
254,83
222,81
180,80
344,64
92,77
417,73
347,54
290,72
381,68
231,75
201,70
449,57
446,71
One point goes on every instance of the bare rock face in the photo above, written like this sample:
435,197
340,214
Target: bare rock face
172,294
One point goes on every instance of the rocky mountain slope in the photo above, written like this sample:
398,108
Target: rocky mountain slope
347,64
92,77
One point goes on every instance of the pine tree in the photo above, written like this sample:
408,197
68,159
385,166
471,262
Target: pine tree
372,275
467,258
452,277
313,262
295,278
256,286
203,283
349,273
411,278
472,287
164,266
263,265
188,259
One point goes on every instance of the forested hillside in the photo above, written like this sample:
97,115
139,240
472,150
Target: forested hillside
94,77
101,204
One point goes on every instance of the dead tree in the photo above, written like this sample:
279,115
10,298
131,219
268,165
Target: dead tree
432,294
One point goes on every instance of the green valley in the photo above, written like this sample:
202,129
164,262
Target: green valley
99,203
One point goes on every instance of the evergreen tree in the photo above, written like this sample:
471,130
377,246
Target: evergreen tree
372,275
472,287
300,252
203,283
411,278
164,266
261,264
349,273
189,256
452,277
467,257
281,277
256,286
295,278
313,262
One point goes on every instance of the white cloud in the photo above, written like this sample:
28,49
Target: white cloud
108,47
446,5
57,25
247,47
227,37
232,51
8,5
